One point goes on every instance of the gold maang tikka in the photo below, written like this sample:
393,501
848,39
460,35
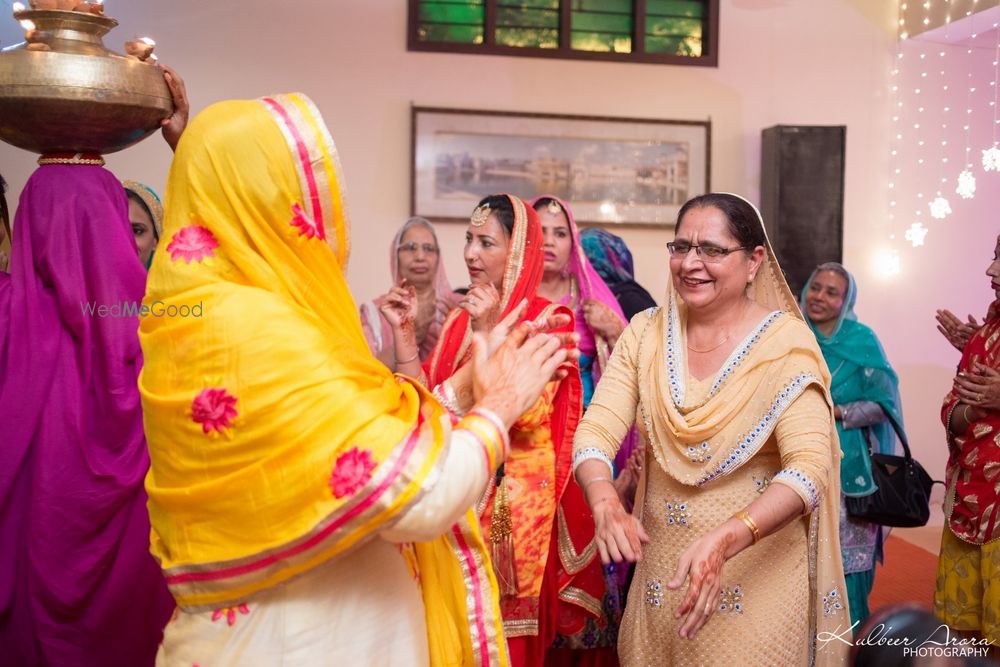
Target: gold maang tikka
480,216
554,207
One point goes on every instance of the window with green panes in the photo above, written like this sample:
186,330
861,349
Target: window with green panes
683,32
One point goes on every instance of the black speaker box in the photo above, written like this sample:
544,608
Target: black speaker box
802,196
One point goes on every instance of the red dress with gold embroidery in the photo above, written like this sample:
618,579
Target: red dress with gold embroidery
971,503
559,575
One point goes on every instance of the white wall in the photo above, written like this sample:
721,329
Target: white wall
782,62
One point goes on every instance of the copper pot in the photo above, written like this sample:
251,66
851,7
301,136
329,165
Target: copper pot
76,95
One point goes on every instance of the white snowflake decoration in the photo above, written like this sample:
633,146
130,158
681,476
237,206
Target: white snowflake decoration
966,185
916,234
887,262
940,208
991,159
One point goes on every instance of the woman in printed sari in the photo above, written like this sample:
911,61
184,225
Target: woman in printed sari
77,583
571,281
740,495
307,506
612,260
968,581
542,543
145,213
867,408
417,273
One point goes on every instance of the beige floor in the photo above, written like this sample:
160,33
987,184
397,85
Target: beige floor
926,537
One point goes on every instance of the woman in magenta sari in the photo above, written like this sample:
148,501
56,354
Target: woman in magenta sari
571,281
78,585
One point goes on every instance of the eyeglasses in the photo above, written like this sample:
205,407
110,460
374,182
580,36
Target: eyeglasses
411,248
710,254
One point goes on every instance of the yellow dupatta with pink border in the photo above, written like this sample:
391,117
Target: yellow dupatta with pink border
277,441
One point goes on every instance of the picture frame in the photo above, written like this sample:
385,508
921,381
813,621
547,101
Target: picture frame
614,172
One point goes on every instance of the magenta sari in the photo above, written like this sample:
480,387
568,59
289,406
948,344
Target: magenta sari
78,585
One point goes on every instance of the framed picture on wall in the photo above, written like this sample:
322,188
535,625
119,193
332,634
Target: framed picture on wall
612,171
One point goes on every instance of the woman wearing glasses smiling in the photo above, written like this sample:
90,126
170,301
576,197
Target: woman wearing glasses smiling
417,273
735,530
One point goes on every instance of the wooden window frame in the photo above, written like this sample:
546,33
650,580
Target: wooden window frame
710,41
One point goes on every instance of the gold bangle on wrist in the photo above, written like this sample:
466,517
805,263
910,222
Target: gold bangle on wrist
745,517
591,481
400,362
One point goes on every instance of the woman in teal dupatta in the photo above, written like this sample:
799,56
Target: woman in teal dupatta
865,391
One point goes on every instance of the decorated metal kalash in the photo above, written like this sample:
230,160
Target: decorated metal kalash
64,95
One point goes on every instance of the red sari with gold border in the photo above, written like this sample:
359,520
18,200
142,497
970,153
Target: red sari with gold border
971,505
560,580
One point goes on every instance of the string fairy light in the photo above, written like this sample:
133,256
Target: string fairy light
991,155
886,258
966,188
940,207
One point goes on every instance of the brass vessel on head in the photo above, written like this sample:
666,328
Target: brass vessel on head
63,91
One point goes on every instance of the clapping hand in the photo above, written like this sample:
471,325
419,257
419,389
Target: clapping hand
512,366
955,330
628,478
482,302
602,320
979,389
399,305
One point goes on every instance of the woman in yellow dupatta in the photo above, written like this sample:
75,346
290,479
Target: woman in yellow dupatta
289,469
731,390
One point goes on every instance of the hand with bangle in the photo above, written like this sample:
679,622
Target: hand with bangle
979,390
399,307
618,534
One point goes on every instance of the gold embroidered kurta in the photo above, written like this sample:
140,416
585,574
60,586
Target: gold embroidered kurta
762,615
713,445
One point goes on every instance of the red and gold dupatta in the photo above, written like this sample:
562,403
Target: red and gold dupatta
572,584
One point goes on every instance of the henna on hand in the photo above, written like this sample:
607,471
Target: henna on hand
703,562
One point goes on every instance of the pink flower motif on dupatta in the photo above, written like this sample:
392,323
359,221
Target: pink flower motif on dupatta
305,225
230,613
352,471
192,244
214,409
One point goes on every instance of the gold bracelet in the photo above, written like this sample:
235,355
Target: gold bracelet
591,481
745,517
400,362
965,415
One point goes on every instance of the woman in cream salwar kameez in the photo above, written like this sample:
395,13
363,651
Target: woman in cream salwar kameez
307,506
731,390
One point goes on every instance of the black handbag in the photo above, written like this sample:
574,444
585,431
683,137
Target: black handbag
902,498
